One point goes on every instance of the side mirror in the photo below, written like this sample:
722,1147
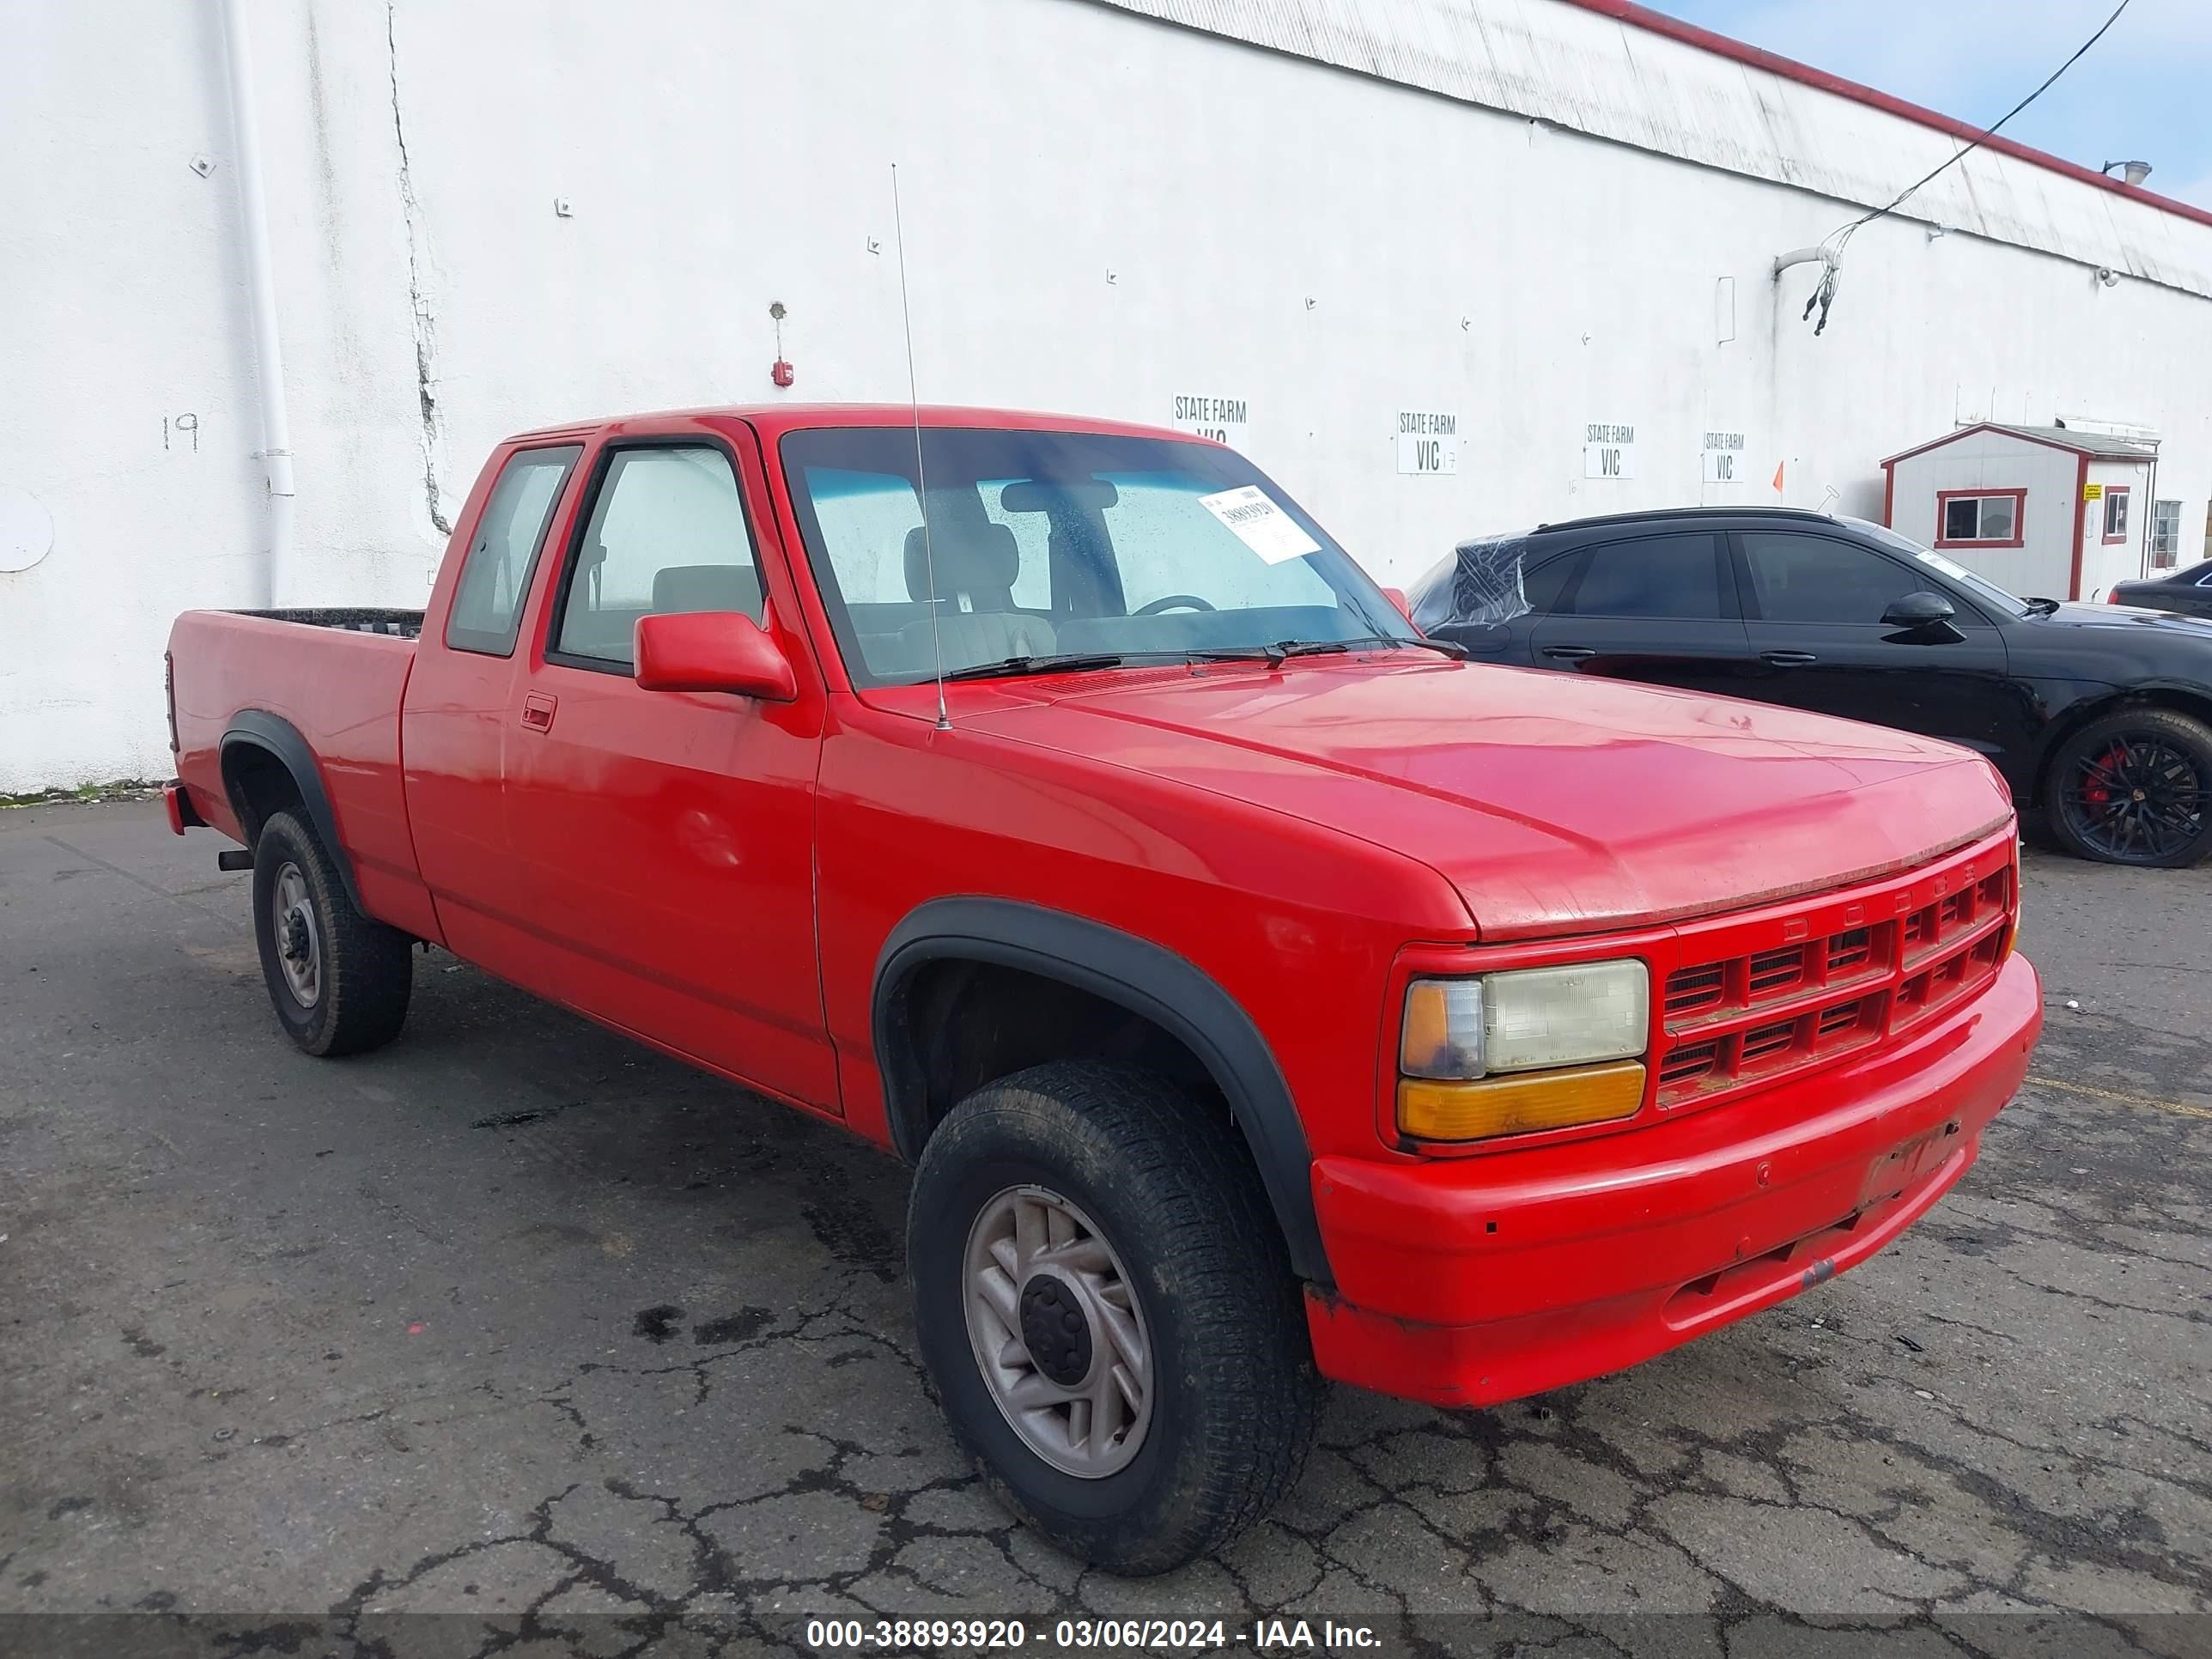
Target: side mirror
1918,610
1397,597
711,651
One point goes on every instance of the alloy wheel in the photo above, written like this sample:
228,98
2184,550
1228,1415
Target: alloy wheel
2139,797
1059,1332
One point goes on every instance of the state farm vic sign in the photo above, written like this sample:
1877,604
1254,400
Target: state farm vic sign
1428,442
1225,420
1609,450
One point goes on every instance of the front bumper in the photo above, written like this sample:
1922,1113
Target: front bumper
1468,1281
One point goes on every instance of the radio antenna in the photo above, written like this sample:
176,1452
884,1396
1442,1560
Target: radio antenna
921,470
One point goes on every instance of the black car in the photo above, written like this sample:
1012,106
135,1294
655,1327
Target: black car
2187,592
2101,715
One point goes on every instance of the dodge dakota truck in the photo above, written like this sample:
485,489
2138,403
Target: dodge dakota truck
1261,993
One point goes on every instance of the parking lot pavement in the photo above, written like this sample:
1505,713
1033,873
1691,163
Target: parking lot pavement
517,1317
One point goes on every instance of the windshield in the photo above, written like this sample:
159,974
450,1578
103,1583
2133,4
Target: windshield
1981,587
1045,544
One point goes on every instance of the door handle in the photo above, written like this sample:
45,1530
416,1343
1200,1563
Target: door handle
538,711
1788,659
1569,652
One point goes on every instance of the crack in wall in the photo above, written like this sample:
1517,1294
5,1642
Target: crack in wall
418,303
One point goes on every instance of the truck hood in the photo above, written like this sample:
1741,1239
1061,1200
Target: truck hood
1554,805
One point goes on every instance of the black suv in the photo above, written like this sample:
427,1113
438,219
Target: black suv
2101,715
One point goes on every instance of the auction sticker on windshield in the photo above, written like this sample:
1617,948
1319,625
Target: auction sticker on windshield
1950,568
1254,520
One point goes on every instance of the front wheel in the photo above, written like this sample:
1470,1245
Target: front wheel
2135,787
1108,1312
340,980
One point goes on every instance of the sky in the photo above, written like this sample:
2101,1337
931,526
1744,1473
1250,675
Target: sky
2143,93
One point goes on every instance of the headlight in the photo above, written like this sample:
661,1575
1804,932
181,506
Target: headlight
1522,1021
1565,1024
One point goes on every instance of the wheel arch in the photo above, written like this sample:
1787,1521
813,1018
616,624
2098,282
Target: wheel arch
257,745
2182,699
1147,981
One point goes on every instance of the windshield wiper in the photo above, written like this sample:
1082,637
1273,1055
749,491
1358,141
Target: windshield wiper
1283,650
1273,655
1451,648
1048,664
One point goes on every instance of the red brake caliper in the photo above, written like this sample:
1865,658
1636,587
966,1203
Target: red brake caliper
2093,791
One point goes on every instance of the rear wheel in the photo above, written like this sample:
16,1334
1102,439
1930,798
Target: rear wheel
340,980
2135,787
1108,1313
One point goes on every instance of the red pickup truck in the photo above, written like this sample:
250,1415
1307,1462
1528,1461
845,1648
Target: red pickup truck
1261,993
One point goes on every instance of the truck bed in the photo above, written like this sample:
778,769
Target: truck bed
359,619
335,676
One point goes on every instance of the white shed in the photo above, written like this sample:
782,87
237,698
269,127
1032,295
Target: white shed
2051,510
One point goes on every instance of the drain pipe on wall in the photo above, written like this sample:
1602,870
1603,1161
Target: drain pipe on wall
261,290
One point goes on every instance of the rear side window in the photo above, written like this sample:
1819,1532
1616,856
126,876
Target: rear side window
488,604
667,533
1669,576
1810,579
1541,584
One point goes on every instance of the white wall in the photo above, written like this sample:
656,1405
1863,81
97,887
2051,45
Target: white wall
1102,212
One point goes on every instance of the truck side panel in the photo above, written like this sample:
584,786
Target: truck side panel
1296,934
341,692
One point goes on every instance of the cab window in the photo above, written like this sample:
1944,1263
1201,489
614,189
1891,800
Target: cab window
488,601
666,533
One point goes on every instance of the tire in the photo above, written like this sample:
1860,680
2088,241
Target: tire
1163,1180
345,989
2134,787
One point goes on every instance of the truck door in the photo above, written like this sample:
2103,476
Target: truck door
661,844
455,719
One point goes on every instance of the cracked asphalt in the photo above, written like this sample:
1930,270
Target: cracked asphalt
520,1325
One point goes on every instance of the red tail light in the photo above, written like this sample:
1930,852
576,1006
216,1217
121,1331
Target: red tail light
2113,598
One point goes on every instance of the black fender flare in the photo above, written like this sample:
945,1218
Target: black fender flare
1140,975
276,736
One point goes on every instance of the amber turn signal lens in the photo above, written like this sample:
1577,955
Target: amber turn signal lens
1519,1104
2019,902
1443,1033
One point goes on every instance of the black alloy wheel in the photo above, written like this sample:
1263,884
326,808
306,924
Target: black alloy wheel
2136,788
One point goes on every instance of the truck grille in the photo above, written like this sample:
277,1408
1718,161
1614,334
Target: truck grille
1799,986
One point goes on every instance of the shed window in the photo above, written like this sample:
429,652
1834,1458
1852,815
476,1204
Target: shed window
2116,513
2165,534
1986,518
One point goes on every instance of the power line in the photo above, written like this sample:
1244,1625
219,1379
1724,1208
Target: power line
1841,237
